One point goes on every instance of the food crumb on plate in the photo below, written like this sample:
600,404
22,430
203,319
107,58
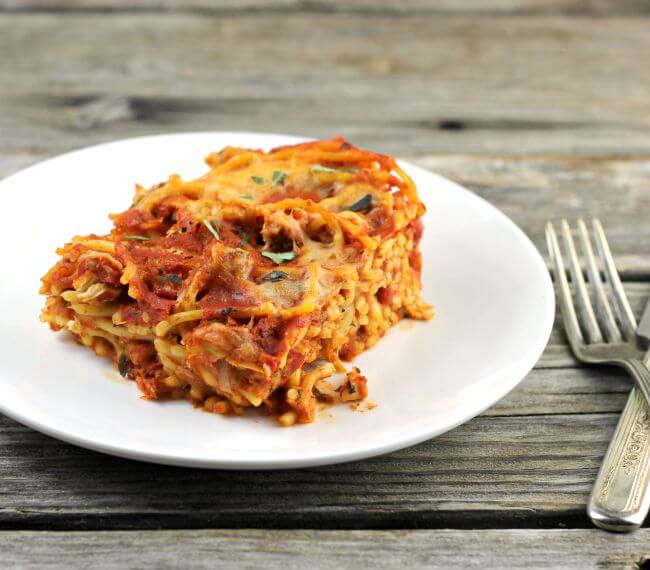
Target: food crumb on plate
362,407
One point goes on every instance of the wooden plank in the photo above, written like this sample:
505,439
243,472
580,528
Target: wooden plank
414,84
398,7
528,471
534,190
566,391
253,549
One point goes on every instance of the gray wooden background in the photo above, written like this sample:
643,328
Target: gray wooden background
540,106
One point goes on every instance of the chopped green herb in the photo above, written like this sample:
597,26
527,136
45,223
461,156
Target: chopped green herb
279,258
278,177
226,311
257,179
275,276
212,229
123,365
137,238
174,279
319,395
320,168
362,204
244,238
246,197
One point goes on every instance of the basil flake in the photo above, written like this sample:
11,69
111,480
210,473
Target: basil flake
321,168
275,276
362,204
123,365
137,238
212,229
278,177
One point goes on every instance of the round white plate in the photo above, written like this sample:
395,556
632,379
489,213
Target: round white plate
492,294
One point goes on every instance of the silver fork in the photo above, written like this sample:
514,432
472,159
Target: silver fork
606,335
610,338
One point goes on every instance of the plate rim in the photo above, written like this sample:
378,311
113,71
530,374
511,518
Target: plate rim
514,378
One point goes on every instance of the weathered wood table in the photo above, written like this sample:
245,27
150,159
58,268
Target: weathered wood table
540,106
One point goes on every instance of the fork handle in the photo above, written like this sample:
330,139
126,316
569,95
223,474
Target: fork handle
641,374
620,498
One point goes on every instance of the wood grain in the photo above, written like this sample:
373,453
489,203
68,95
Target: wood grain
534,190
413,84
371,7
494,471
250,549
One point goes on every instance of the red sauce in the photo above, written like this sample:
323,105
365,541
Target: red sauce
381,222
269,335
156,292
152,388
229,236
385,295
132,313
61,275
226,294
141,353
415,261
136,220
190,243
101,268
130,220
294,361
418,228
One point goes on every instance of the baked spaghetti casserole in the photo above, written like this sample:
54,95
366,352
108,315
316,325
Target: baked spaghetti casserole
248,286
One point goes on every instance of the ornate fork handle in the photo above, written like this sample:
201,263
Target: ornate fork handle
620,497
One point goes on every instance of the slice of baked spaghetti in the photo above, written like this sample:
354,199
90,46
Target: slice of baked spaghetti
249,285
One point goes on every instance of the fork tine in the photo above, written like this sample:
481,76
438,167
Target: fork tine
602,304
621,305
566,301
585,310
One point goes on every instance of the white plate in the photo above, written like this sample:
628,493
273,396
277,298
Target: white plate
492,294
